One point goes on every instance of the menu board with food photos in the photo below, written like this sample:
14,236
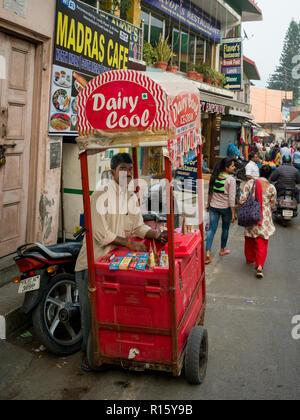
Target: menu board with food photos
85,45
66,85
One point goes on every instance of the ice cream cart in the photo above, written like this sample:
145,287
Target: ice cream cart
151,319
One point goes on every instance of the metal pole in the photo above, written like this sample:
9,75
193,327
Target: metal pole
90,253
135,170
171,250
200,212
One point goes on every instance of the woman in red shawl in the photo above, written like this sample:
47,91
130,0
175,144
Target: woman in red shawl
257,236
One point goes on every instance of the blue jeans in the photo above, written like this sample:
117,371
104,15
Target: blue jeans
214,217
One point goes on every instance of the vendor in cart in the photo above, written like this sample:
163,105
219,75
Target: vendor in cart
116,218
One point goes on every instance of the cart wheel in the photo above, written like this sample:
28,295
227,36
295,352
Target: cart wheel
196,356
90,356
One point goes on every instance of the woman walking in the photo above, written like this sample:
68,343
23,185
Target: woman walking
257,236
221,204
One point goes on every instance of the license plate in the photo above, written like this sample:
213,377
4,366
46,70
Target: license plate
287,213
30,284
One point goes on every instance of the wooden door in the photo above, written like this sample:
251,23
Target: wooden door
16,95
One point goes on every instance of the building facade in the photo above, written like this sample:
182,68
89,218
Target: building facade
267,111
29,188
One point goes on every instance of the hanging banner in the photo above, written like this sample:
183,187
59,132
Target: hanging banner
85,45
232,64
191,15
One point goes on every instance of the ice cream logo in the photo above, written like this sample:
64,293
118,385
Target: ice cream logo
121,106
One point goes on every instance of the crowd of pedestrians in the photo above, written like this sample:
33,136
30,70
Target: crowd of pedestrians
268,165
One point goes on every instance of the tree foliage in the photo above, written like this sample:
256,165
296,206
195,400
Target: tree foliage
283,78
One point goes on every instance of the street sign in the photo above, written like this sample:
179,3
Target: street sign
232,63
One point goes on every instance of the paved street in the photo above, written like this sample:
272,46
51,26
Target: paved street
252,354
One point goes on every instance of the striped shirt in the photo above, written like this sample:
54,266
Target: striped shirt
226,200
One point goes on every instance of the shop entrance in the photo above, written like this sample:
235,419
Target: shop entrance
16,97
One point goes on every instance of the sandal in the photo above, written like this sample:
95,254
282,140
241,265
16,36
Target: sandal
208,261
85,366
259,274
222,254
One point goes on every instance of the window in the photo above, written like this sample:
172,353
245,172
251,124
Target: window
176,45
184,57
157,28
145,18
200,50
191,52
209,52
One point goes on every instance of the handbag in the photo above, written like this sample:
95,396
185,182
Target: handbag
250,212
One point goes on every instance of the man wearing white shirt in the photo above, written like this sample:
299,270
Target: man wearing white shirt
285,151
252,170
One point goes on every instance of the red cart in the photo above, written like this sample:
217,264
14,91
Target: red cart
151,319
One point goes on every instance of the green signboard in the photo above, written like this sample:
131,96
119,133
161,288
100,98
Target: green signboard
232,63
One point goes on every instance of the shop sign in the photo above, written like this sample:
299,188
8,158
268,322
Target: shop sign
190,15
85,45
232,64
185,109
120,106
213,108
186,177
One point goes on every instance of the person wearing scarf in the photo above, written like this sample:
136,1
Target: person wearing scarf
257,236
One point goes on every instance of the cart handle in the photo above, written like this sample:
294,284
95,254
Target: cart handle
112,286
152,289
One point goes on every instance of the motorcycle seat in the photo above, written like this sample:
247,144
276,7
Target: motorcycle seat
53,252
72,248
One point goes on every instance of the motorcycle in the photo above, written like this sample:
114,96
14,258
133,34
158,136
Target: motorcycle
287,206
48,282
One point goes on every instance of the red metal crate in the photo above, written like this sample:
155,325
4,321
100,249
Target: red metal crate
134,308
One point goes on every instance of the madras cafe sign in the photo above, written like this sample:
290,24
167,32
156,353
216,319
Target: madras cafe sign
86,41
85,45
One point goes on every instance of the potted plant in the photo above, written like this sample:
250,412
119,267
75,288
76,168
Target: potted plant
192,73
163,52
221,79
200,70
172,67
149,54
209,75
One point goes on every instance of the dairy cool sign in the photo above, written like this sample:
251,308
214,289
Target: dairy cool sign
185,109
120,106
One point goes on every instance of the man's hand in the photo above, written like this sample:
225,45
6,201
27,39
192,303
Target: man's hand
137,247
162,237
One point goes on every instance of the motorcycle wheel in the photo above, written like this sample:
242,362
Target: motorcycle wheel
56,320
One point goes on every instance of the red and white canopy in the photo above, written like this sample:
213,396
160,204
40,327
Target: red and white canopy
127,108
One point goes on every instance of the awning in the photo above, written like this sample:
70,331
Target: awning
241,114
127,108
250,69
221,10
247,9
261,133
